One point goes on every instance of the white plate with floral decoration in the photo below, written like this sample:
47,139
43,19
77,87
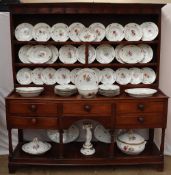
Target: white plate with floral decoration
117,50
115,32
102,134
141,92
91,54
68,54
123,76
74,31
87,35
98,72
41,32
39,54
133,32
69,135
23,32
136,75
149,76
108,76
86,78
148,53
22,54
36,76
74,74
48,76
99,29
131,54
63,76
60,32
105,54
55,54
24,76
150,31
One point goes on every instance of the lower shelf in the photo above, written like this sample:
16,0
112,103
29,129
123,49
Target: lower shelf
72,156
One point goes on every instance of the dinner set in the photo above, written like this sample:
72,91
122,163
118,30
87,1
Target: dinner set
76,32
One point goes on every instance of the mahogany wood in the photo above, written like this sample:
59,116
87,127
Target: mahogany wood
49,111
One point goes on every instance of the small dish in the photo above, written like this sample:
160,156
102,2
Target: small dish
36,147
24,76
48,76
62,76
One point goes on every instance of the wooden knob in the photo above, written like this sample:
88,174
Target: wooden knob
33,120
33,108
87,108
141,107
140,119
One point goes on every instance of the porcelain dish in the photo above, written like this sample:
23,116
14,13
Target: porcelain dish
141,92
29,91
131,143
36,147
115,32
23,32
41,32
69,135
24,76
99,29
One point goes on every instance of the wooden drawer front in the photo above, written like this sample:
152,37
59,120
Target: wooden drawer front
125,107
91,109
33,108
140,120
33,122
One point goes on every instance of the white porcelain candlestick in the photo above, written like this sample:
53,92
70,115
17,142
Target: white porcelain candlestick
87,148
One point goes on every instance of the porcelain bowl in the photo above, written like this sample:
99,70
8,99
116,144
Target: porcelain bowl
29,91
131,144
88,92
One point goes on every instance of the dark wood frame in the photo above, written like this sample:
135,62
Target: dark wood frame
107,154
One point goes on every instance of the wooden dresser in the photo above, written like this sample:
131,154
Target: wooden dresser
49,111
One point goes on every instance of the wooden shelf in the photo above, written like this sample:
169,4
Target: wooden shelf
72,156
80,43
112,65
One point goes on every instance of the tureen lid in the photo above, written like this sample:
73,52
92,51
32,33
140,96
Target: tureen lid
131,138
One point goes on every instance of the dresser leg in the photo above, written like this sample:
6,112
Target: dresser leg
160,167
11,168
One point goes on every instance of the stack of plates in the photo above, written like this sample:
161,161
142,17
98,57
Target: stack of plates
109,90
29,91
65,90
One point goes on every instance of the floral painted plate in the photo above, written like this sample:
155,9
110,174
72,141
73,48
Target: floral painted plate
62,76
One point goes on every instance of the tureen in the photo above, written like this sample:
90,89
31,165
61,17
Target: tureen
131,143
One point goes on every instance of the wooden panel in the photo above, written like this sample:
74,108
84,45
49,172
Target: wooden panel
84,109
140,106
19,107
32,122
140,120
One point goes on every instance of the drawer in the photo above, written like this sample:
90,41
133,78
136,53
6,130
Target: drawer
90,109
140,120
20,107
141,106
32,122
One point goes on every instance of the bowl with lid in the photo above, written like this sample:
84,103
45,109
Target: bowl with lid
131,143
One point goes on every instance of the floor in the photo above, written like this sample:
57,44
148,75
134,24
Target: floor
87,171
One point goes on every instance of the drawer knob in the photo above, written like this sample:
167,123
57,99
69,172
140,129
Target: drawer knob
33,120
140,119
141,107
33,108
87,108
